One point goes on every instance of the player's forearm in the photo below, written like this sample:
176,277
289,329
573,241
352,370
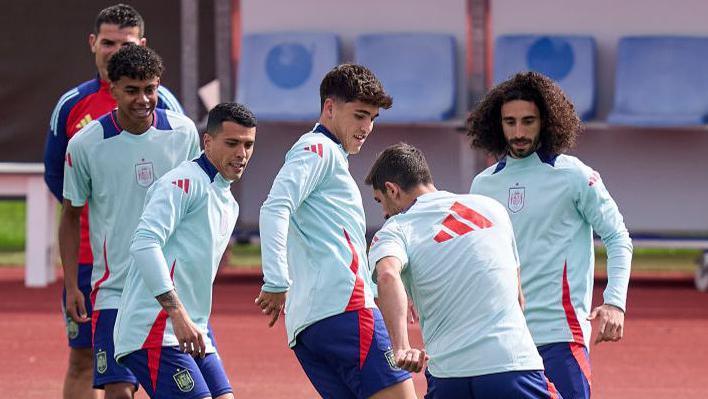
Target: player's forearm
150,262
274,235
619,260
171,304
69,241
393,304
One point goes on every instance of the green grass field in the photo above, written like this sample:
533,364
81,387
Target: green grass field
12,242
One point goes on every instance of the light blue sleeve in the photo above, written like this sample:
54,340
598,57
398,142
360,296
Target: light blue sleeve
389,241
165,206
194,149
302,172
77,175
599,209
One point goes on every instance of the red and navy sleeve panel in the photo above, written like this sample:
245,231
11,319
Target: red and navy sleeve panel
167,100
58,134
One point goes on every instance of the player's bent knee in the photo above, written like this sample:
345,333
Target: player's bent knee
80,361
401,390
122,390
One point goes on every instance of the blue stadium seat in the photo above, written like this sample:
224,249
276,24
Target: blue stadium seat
417,69
569,60
279,74
661,81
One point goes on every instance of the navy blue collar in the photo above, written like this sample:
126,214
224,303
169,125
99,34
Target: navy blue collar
321,129
207,166
548,158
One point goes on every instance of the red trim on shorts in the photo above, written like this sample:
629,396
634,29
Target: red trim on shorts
357,300
94,321
551,389
106,274
366,334
578,351
570,315
153,341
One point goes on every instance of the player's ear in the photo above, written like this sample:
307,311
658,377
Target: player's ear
208,140
143,41
328,108
113,89
392,189
92,42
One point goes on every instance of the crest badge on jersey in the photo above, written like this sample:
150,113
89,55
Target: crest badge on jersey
517,197
101,362
144,174
184,380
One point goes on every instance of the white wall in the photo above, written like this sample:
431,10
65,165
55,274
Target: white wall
606,20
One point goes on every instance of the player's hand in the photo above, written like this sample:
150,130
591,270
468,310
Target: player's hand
272,304
76,306
188,335
611,319
412,313
411,359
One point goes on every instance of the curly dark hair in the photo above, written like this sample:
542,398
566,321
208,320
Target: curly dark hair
229,112
351,82
135,62
122,15
560,124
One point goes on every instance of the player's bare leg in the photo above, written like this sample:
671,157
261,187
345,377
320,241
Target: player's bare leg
226,396
402,390
121,390
78,382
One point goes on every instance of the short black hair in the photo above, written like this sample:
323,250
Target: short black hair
351,82
229,112
402,164
122,15
135,62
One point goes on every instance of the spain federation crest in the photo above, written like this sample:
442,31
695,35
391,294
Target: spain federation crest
72,328
391,360
516,198
101,362
184,380
144,174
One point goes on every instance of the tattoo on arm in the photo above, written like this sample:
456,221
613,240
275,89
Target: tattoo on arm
169,300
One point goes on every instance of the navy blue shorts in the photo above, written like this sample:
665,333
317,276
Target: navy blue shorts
79,334
105,368
507,385
348,355
568,367
168,373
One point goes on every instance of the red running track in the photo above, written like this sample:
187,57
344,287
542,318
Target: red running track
664,353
